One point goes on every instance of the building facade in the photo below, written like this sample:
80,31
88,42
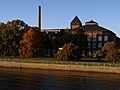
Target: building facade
96,35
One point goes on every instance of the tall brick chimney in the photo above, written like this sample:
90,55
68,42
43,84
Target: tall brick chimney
39,18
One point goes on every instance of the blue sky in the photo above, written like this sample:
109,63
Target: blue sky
59,13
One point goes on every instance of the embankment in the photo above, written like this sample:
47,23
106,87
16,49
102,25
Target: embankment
22,65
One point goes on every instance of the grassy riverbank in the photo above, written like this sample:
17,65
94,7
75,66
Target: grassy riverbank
61,66
53,64
84,61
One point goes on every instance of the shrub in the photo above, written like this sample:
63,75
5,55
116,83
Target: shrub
69,52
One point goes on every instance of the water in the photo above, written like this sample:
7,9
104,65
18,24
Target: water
28,79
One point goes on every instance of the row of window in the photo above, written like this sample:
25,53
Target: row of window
94,45
100,38
93,53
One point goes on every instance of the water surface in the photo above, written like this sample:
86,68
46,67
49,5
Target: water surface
28,79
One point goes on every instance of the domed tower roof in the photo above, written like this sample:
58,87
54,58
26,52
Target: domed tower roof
75,23
91,23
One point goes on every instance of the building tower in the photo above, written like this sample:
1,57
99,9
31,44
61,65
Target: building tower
75,23
39,18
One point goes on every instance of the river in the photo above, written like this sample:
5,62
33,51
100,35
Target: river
28,79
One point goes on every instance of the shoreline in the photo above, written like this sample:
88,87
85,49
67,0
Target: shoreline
62,67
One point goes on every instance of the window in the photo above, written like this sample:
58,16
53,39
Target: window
53,38
94,45
105,38
99,38
94,38
89,38
99,45
89,45
89,53
94,53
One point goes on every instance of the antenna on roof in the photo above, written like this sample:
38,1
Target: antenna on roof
76,14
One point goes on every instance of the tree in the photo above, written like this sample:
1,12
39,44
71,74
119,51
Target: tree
47,43
73,44
98,54
112,53
77,38
64,38
31,45
108,46
69,52
10,36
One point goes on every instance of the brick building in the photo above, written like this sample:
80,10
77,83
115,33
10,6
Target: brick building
96,35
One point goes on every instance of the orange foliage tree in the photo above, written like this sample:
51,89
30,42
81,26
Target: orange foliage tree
31,44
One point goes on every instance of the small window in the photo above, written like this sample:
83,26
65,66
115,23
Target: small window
89,53
106,38
94,53
89,38
99,38
94,45
94,38
53,38
99,45
89,45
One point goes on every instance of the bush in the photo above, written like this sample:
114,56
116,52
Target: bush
69,52
112,53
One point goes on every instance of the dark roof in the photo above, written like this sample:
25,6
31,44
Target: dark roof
91,22
76,20
94,28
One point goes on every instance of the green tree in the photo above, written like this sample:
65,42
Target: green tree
46,41
31,45
69,52
77,38
64,37
10,36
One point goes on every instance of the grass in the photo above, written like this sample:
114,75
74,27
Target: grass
47,60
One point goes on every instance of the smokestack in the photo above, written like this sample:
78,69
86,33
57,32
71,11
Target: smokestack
39,18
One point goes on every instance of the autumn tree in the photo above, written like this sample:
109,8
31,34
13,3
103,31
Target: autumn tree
31,45
10,36
69,52
112,53
108,46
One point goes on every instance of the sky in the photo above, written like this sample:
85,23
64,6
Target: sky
57,14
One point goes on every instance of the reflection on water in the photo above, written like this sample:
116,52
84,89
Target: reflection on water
28,79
